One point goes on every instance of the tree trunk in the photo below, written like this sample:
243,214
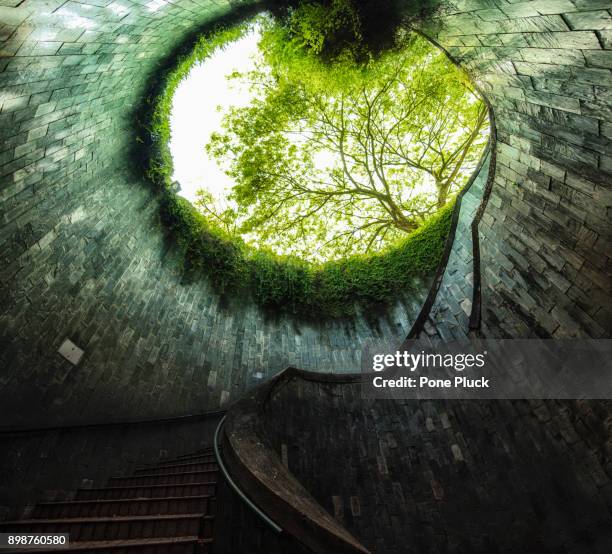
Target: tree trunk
442,193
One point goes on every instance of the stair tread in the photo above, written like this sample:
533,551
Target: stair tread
204,450
189,456
185,457
125,500
126,543
149,486
164,463
159,494
155,467
214,470
156,517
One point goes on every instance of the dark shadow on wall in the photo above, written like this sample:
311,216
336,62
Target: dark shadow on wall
451,476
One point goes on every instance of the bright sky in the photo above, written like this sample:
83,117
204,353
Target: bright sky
195,115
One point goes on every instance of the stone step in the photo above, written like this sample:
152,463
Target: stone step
202,458
202,452
125,507
150,491
118,528
206,476
177,468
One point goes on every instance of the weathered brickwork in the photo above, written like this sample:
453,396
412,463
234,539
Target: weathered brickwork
450,313
450,476
83,254
545,66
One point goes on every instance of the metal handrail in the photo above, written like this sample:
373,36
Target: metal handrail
278,530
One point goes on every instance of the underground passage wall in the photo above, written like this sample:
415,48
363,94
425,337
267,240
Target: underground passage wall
83,254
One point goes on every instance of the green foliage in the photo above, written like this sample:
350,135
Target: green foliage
327,29
343,29
398,134
287,284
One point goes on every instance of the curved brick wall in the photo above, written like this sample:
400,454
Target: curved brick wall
83,254
545,235
446,476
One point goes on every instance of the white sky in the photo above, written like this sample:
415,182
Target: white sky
194,116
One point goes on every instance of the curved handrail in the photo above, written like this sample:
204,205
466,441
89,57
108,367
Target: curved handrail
276,528
491,151
257,471
425,311
476,313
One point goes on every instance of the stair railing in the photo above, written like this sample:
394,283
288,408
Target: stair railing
271,524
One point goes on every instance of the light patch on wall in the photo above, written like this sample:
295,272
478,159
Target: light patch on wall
118,9
155,5
77,215
44,35
71,351
72,20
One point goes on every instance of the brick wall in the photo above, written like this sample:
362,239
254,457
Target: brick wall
545,66
83,254
449,475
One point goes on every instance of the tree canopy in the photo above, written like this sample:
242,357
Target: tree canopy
337,157
326,84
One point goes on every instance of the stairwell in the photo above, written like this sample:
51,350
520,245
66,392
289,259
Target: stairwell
165,508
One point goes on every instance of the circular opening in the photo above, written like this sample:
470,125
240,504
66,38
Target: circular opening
310,170
322,161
